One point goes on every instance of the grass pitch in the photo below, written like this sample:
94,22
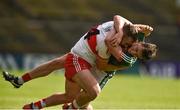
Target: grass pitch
122,91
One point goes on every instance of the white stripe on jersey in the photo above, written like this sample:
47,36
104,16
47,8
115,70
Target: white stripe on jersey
130,60
76,63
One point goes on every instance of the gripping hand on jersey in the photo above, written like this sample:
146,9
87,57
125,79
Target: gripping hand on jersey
114,38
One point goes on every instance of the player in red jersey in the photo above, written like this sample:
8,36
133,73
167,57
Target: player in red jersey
82,74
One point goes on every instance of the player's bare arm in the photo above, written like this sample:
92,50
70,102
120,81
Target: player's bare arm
114,50
119,23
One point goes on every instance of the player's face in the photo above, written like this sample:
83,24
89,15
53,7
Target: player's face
136,50
127,42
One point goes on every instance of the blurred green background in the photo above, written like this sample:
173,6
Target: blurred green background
54,26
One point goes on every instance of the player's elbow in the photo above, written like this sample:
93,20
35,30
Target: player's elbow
116,17
118,57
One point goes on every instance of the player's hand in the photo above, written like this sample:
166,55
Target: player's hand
116,39
146,29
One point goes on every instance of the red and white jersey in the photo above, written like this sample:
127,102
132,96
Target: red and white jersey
89,48
92,44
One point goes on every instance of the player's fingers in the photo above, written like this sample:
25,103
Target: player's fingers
114,38
144,27
147,27
114,42
138,29
150,28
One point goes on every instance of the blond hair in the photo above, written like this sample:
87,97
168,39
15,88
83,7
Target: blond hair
149,51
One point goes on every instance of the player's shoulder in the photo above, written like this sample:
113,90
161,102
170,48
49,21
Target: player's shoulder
107,23
107,26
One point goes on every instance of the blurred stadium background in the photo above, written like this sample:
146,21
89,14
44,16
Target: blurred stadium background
34,31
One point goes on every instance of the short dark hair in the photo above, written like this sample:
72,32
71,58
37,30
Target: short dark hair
149,51
130,30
